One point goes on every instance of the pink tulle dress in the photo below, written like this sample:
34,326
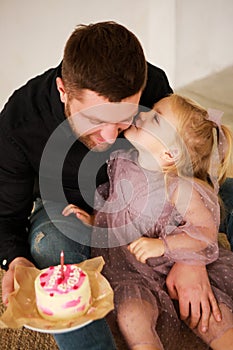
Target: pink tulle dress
137,202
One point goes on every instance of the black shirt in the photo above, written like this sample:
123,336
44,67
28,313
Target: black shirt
27,121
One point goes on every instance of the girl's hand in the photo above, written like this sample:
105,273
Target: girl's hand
80,214
144,248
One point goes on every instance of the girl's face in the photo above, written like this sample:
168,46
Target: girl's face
154,131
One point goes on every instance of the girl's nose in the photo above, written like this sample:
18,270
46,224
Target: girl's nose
143,116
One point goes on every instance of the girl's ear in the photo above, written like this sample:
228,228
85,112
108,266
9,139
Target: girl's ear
170,156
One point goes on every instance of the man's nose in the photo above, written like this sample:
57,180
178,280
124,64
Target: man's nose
110,132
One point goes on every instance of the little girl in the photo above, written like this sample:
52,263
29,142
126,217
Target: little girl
161,207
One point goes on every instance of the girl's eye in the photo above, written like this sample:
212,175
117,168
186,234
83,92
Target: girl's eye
156,117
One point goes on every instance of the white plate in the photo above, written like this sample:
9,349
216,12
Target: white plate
59,330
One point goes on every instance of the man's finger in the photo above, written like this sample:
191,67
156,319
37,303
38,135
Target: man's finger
205,316
172,291
7,286
184,308
195,314
215,308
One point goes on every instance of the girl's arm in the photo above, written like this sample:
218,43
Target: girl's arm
195,246
80,214
195,242
144,248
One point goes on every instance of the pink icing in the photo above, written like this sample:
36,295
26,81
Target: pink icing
52,282
82,308
72,303
46,311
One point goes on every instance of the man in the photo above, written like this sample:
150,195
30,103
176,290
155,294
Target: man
101,79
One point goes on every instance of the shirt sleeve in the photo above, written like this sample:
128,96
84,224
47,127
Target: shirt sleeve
156,88
16,200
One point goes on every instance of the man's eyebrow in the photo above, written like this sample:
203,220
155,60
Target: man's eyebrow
93,118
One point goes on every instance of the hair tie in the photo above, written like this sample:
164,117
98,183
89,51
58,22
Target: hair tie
215,116
218,153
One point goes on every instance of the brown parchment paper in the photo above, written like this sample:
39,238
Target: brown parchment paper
22,310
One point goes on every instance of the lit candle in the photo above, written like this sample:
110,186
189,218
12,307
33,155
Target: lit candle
62,264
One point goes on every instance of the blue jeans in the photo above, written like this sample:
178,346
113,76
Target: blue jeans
47,240
226,194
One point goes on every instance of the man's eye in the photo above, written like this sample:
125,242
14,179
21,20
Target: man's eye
95,122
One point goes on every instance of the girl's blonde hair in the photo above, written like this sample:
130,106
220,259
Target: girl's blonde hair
196,140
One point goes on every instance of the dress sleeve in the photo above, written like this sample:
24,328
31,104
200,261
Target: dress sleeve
194,240
113,202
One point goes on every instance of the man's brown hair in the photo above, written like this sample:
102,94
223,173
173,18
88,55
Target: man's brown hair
106,58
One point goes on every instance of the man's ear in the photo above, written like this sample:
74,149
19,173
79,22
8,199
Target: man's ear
61,89
170,156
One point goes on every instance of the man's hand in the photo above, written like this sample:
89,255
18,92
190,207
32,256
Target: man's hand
8,278
145,247
190,285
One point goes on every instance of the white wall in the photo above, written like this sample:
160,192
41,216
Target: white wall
204,38
186,38
33,33
160,40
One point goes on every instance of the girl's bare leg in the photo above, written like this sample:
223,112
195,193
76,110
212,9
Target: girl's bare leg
137,320
225,342
220,334
145,347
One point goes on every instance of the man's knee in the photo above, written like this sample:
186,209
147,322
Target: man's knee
47,243
226,194
36,243
230,229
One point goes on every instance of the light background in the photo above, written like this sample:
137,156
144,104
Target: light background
188,39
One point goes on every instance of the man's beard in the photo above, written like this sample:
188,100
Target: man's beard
92,146
86,140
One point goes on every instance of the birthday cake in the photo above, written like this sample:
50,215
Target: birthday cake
62,295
